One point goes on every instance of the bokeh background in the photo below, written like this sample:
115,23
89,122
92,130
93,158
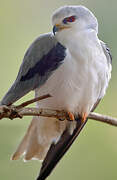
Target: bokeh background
93,156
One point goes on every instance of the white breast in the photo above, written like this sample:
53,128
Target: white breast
78,83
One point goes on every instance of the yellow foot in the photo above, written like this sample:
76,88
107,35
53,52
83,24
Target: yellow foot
70,116
84,117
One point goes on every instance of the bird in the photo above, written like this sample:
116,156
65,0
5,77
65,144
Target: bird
72,65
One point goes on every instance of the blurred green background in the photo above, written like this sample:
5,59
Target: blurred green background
93,156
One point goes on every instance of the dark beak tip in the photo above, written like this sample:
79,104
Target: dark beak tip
55,29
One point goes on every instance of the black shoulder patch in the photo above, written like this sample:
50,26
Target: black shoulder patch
48,63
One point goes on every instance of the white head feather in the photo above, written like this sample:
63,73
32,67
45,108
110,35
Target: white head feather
84,21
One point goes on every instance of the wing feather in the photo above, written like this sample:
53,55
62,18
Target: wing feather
43,57
107,52
57,151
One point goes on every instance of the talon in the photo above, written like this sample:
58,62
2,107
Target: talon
84,117
61,119
70,116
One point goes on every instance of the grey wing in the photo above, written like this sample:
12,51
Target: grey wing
107,52
108,55
41,59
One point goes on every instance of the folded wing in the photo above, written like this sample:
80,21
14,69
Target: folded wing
43,57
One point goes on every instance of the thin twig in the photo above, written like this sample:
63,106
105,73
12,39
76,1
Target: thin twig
43,112
24,104
19,111
103,118
61,114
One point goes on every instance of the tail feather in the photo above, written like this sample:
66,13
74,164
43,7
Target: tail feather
23,145
39,137
48,140
30,146
57,151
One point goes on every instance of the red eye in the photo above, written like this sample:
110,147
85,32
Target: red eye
69,19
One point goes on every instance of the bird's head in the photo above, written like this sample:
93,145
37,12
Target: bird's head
70,20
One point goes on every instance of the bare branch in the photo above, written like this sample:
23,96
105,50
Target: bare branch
19,111
103,118
43,112
33,100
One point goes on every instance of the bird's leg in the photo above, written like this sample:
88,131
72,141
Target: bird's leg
70,116
84,117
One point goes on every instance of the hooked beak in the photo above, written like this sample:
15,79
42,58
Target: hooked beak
55,29
59,27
